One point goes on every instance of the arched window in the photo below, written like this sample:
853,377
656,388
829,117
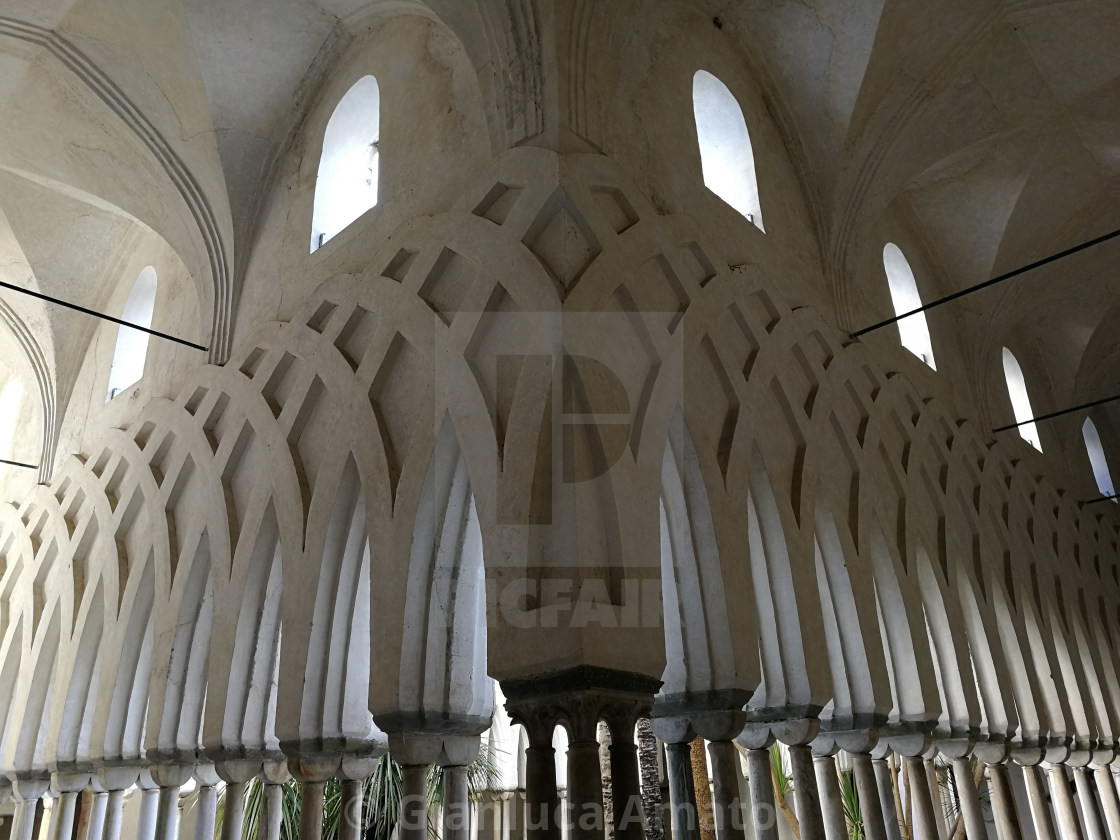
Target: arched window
1096,457
132,345
725,146
1020,402
11,399
913,331
346,185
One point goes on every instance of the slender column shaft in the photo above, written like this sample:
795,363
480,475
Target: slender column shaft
64,810
626,789
806,798
1003,803
1109,803
764,814
233,812
96,826
1064,808
924,813
682,793
414,805
832,805
1040,804
969,798
311,812
886,797
207,813
585,790
114,815
456,804
542,800
167,815
350,819
23,821
1094,827
935,798
273,820
726,805
874,828
149,814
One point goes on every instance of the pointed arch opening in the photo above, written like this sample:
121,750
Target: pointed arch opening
347,181
726,154
132,345
912,331
1020,402
1097,458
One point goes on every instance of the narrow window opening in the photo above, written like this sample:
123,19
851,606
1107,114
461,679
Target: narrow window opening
132,345
1097,458
346,185
725,146
1020,402
912,331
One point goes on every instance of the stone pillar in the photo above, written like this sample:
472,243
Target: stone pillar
764,814
207,806
1102,777
311,810
456,804
1094,827
62,825
114,815
273,821
969,798
924,815
275,775
1040,803
585,780
1065,810
350,818
886,797
96,826
149,807
832,804
867,789
1003,803
69,786
233,811
116,780
685,821
542,799
626,787
727,807
170,778
27,792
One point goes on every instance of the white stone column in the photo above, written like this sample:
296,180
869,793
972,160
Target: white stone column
149,807
832,805
456,804
922,797
170,778
805,794
1094,827
311,811
886,797
1040,803
764,813
27,793
96,825
969,798
115,780
1003,803
275,775
1102,777
1064,808
867,789
69,786
207,806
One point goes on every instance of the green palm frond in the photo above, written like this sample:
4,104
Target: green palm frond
852,813
777,761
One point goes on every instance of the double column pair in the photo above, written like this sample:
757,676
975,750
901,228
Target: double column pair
578,700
